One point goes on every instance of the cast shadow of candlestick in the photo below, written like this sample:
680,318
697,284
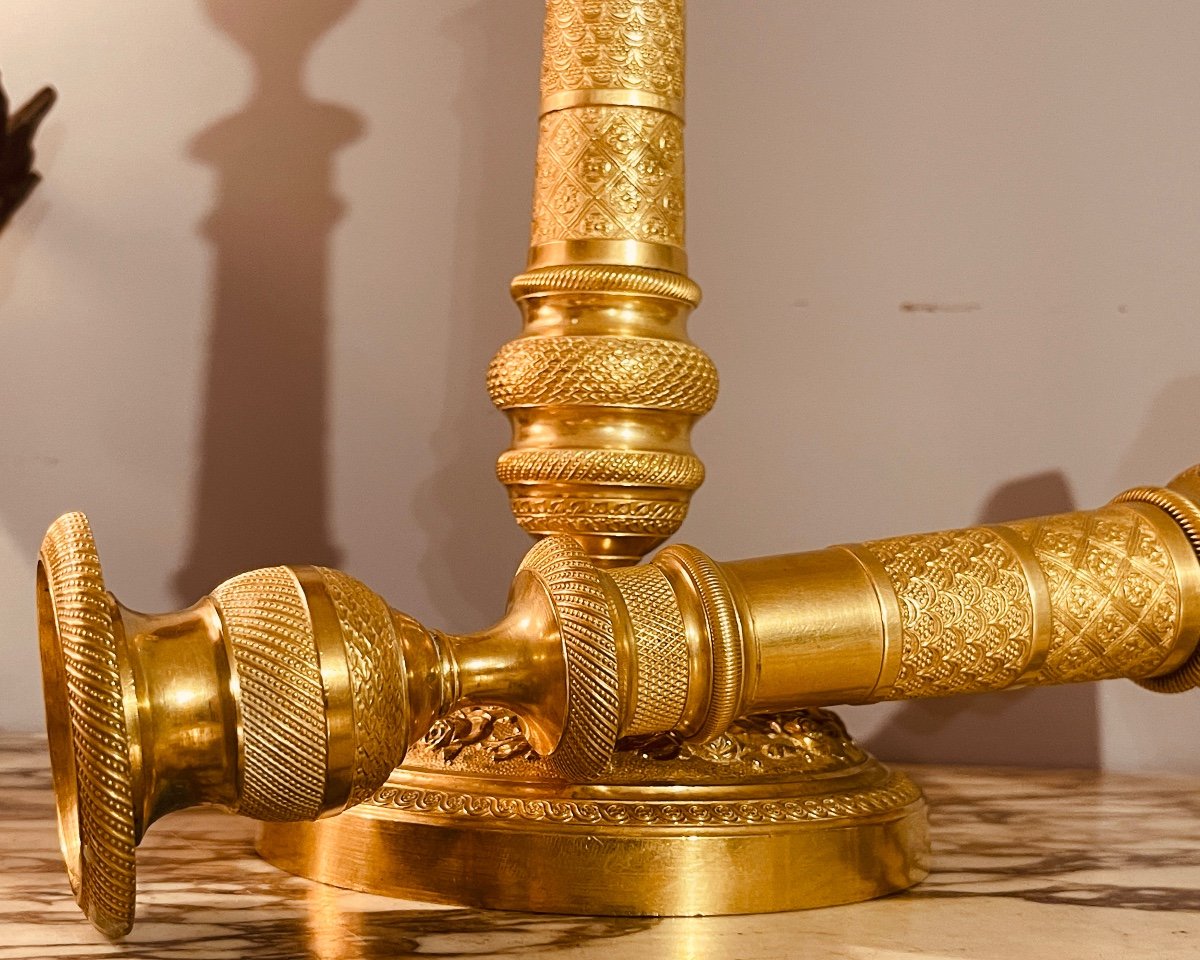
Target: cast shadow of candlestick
1169,439
262,494
473,544
1046,727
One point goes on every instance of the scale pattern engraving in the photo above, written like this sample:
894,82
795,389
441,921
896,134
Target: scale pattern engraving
377,681
283,715
609,173
613,44
1114,596
660,647
102,768
966,611
606,371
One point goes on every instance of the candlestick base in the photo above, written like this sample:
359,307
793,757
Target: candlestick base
785,812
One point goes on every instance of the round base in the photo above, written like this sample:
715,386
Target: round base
785,813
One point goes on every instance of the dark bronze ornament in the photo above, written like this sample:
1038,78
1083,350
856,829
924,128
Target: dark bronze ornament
17,176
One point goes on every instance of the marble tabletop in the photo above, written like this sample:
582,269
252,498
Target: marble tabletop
1027,864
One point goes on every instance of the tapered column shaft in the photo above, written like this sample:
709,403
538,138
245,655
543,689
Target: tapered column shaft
603,386
609,183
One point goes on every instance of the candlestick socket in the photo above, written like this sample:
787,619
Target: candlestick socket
283,695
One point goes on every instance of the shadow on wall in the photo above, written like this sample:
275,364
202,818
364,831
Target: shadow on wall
1046,727
1169,440
262,495
473,544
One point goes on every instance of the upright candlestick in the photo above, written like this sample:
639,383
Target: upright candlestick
603,385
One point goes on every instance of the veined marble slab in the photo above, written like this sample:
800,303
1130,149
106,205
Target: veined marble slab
1027,864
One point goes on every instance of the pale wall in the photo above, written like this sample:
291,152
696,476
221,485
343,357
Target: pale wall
1035,159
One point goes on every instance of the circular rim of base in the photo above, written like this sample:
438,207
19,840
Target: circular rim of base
85,721
502,861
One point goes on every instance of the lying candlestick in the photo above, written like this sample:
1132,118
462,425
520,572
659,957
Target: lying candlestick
291,693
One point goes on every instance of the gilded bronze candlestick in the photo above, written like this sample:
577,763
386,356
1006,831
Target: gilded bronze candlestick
290,693
629,738
602,389
603,385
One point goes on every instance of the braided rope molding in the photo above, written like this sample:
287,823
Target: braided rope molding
894,794
593,705
617,280
724,633
283,706
603,371
1176,505
678,471
377,681
103,773
660,648
1181,509
540,515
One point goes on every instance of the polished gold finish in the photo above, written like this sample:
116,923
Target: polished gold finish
945,641
85,721
585,732
620,49
1179,500
626,739
602,390
1082,596
245,700
610,149
658,678
289,694
1113,581
603,385
707,607
780,813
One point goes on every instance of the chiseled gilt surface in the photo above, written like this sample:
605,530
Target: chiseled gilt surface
1027,864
